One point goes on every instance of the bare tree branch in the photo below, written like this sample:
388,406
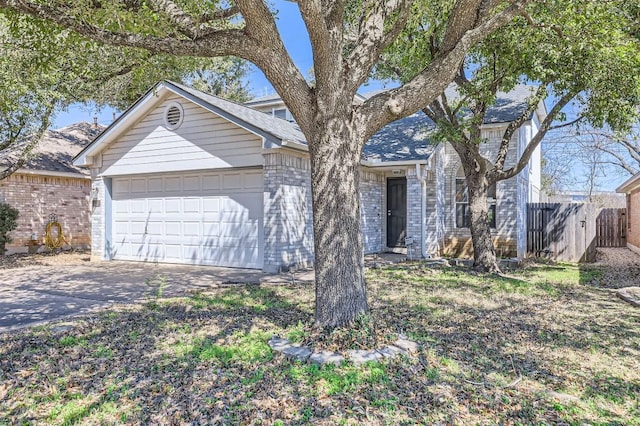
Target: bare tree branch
32,141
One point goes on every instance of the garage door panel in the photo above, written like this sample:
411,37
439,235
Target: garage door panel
191,205
155,185
208,219
172,184
211,205
172,205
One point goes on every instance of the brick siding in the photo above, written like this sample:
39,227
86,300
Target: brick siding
38,196
633,224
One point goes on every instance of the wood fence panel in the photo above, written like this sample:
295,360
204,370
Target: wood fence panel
562,231
611,228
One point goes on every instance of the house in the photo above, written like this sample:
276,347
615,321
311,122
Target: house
48,183
631,188
185,177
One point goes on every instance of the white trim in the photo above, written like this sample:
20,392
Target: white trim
629,185
52,173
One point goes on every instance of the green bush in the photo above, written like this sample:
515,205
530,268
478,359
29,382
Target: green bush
8,222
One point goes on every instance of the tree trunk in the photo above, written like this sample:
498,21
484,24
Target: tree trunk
484,254
339,260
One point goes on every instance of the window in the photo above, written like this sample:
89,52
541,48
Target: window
463,214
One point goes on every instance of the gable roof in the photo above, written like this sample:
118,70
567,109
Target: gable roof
55,151
404,140
274,131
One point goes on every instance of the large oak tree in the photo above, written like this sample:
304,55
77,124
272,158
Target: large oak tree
347,39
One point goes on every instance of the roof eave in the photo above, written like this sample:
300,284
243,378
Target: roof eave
629,185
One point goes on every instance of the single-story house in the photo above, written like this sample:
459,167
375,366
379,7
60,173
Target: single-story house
631,188
48,183
186,177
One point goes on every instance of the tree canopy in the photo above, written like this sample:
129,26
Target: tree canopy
45,70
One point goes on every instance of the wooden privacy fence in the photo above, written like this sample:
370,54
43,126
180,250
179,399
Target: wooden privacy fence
611,228
572,231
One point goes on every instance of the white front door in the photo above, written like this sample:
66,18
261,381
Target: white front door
207,218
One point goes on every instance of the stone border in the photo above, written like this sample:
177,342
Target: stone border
630,295
402,346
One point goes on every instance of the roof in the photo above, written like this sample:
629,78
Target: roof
630,184
279,128
406,139
54,153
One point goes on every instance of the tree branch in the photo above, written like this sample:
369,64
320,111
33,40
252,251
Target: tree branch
397,103
373,38
501,156
535,141
32,142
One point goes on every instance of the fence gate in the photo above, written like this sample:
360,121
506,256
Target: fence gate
562,231
611,228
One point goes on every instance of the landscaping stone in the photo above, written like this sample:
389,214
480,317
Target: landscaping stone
302,353
358,356
278,344
285,347
326,357
406,345
390,351
630,295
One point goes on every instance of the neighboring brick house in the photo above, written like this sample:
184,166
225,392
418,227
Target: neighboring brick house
50,184
631,188
185,177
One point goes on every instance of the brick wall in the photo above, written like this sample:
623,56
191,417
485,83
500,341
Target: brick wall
372,186
633,224
457,241
288,221
37,196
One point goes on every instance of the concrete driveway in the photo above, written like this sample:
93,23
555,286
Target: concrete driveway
36,294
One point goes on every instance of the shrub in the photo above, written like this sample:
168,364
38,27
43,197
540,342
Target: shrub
8,222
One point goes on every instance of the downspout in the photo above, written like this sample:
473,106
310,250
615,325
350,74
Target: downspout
423,207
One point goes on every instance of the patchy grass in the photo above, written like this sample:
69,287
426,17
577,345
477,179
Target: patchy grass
539,346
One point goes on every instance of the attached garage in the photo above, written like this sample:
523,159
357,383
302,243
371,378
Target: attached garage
209,218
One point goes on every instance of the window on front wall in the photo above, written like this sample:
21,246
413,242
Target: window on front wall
463,214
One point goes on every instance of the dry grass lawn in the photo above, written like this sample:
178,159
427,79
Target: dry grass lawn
546,346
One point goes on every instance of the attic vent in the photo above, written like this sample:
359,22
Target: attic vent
173,115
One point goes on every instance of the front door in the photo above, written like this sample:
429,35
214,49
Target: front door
396,211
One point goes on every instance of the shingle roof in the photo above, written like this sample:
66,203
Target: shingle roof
279,128
408,138
402,140
57,148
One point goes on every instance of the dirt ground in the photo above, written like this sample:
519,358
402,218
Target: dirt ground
71,257
620,267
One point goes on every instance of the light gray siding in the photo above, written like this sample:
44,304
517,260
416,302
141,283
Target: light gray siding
203,141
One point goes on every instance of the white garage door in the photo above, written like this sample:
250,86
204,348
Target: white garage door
210,218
